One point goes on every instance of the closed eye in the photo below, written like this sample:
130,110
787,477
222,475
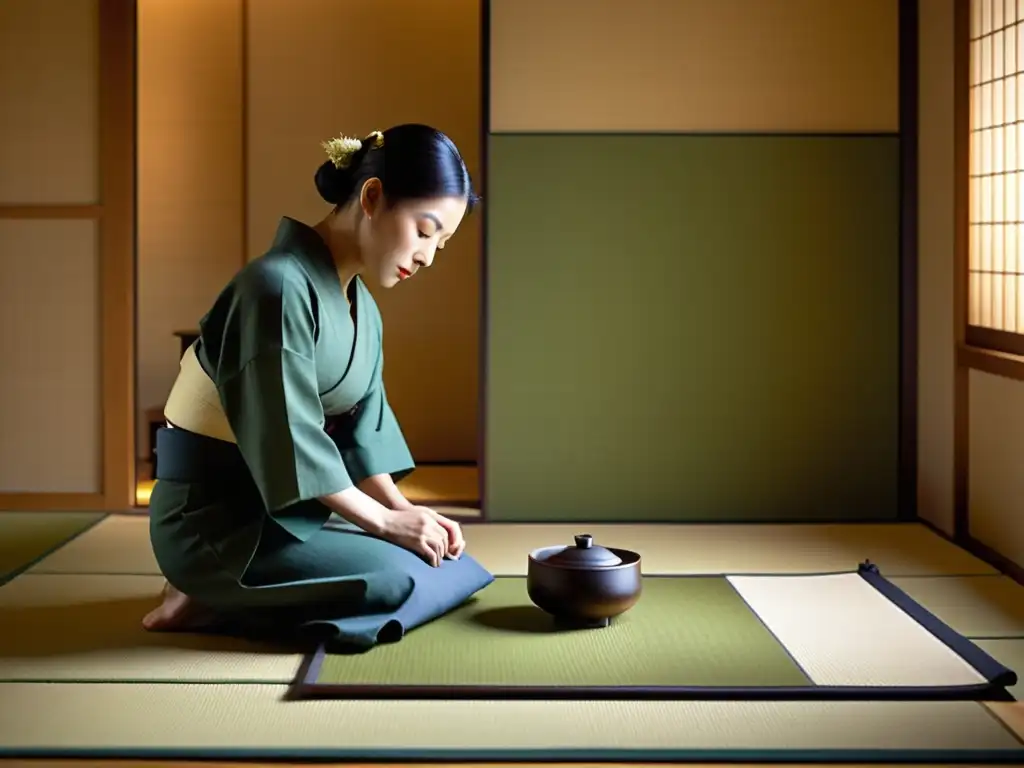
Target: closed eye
425,236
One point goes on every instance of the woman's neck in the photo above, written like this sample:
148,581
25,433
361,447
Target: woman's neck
338,231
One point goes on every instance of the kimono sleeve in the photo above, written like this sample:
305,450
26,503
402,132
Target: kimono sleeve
370,440
266,375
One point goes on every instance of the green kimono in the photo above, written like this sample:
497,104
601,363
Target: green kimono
238,527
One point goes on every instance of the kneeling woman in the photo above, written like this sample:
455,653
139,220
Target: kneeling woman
278,424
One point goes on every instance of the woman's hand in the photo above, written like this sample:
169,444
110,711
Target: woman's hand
383,490
418,530
456,543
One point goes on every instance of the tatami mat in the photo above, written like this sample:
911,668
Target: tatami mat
991,606
120,544
747,549
27,536
87,627
77,616
229,720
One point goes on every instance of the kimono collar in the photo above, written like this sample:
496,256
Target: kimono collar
304,241
293,235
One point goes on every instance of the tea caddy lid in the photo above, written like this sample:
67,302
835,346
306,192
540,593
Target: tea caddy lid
585,554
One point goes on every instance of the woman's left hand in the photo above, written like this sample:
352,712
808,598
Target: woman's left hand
456,543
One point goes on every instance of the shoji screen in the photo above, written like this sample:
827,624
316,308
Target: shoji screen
66,253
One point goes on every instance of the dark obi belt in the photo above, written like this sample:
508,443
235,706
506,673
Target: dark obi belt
187,457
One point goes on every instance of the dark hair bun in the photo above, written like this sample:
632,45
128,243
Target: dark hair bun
333,184
421,163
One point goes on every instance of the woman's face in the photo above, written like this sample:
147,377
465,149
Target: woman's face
397,240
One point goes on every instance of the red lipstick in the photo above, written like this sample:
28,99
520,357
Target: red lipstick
403,273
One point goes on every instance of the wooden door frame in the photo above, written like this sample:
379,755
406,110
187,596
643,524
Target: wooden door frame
966,357
115,216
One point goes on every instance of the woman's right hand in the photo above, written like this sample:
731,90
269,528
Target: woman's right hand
417,531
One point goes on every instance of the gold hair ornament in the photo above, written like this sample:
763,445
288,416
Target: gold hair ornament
341,150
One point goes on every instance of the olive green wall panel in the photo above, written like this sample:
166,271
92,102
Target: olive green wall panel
692,328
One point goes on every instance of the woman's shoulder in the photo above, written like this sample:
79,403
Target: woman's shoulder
250,311
274,275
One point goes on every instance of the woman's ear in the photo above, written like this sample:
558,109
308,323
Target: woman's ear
371,197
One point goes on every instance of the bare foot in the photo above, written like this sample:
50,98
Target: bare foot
177,613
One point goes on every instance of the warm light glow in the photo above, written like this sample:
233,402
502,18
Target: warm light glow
143,491
996,244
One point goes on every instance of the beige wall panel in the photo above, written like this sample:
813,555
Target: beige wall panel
48,87
190,183
50,405
935,265
694,65
996,482
322,67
